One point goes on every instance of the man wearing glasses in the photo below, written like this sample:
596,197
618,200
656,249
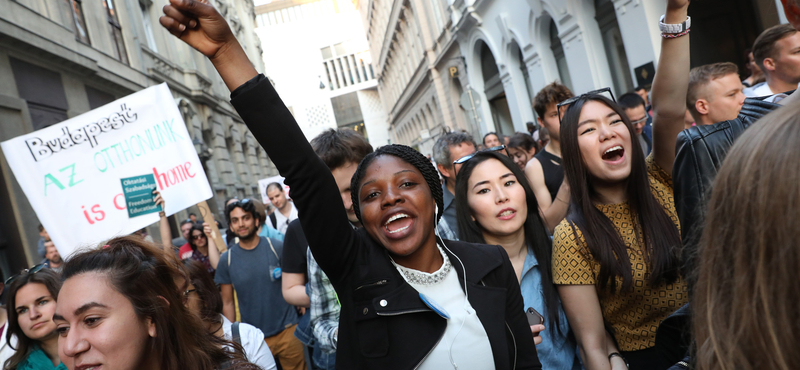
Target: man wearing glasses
634,107
448,148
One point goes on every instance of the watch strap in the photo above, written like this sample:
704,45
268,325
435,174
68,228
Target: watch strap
674,28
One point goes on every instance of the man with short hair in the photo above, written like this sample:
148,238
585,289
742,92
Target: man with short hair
635,108
252,267
777,53
193,218
642,92
545,174
341,150
701,150
285,210
52,258
715,93
43,237
448,148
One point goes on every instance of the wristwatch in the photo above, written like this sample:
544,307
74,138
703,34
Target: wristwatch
674,28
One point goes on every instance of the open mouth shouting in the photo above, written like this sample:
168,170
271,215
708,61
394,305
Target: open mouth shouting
398,225
614,155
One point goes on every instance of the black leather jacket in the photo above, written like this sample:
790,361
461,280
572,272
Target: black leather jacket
699,155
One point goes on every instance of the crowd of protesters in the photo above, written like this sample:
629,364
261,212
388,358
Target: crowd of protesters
654,230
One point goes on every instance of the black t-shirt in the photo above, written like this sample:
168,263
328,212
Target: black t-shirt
553,172
294,249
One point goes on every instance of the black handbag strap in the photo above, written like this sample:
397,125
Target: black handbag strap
235,331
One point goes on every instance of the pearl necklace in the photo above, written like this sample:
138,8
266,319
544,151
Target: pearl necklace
423,278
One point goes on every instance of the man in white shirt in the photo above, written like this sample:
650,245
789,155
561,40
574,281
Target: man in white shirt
777,53
285,210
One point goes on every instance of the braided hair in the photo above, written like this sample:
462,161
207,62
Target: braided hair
408,155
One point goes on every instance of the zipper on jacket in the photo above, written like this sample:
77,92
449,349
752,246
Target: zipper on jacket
379,282
402,312
513,340
429,352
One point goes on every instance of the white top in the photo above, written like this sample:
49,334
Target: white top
759,90
256,349
5,350
471,349
283,221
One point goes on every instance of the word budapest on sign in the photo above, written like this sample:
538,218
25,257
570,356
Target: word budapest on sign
139,198
74,173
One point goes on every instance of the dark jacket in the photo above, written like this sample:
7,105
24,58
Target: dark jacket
384,324
699,155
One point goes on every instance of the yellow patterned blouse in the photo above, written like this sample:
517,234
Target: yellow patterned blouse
634,315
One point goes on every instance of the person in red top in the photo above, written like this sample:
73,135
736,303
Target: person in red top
186,250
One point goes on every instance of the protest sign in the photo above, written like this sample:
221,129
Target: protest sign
262,187
72,172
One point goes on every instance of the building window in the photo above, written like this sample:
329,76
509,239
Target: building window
79,22
116,32
148,27
42,91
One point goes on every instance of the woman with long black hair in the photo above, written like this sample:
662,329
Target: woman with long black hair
497,206
616,255
408,299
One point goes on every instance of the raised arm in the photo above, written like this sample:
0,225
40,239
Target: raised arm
163,226
213,250
313,187
198,24
670,86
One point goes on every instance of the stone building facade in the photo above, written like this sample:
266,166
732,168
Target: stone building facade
61,58
419,67
502,52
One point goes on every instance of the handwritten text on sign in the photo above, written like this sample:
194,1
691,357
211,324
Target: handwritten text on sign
72,172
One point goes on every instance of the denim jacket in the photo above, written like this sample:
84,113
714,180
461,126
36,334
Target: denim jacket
555,351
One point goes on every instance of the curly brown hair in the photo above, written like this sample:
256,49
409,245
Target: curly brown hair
553,93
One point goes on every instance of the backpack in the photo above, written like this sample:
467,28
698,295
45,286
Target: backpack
274,219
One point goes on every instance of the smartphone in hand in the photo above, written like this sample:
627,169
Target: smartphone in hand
534,318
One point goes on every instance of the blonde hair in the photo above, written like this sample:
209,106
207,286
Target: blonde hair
700,77
746,300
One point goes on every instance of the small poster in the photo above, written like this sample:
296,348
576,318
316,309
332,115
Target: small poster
139,197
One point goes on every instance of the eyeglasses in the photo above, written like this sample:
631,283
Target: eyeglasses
643,120
29,271
201,236
492,149
606,91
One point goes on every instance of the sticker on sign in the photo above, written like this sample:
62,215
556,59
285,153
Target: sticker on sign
138,193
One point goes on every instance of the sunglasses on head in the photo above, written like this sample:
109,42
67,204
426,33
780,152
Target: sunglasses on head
606,91
239,203
29,271
492,149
